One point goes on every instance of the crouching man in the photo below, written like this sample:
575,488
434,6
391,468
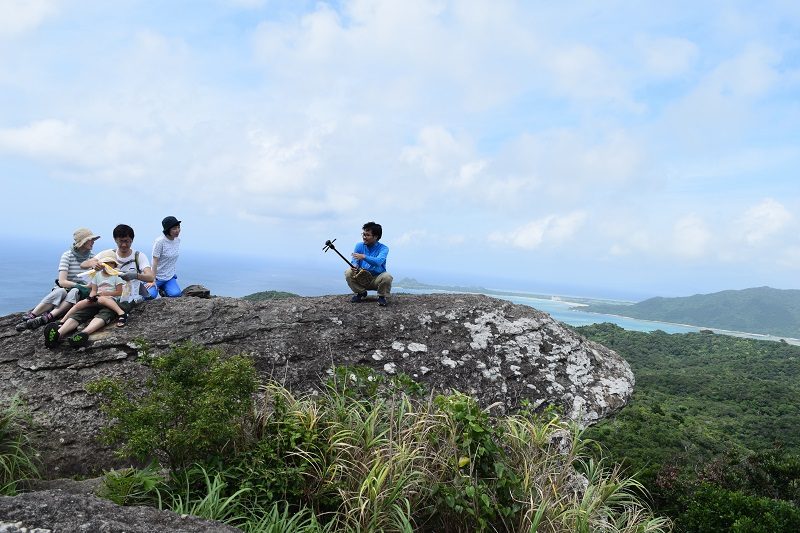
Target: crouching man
369,256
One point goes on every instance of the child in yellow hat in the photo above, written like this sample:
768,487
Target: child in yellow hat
105,288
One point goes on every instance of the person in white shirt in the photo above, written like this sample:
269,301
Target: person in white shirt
165,256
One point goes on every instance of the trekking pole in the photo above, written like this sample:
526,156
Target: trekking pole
329,246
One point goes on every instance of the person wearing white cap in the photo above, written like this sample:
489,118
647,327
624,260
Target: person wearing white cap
69,288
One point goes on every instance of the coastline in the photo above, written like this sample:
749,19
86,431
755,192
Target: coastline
571,303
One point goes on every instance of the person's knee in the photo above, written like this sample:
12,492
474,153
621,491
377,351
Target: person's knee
153,291
68,326
348,274
94,325
171,288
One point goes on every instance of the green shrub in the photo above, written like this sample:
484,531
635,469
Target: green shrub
132,486
17,456
714,509
482,486
191,408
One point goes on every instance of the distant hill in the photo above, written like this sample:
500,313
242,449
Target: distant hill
270,295
757,310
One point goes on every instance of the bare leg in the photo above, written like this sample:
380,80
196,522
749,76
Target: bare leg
69,325
94,325
42,308
61,309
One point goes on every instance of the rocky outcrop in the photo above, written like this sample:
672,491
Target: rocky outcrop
72,509
497,351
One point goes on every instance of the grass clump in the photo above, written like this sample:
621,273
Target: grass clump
17,455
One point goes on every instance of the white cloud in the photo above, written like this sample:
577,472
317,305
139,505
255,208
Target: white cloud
248,4
723,107
634,241
551,229
115,153
667,57
279,166
764,220
584,73
691,237
573,164
423,237
20,16
437,153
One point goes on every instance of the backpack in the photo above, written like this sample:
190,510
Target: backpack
142,289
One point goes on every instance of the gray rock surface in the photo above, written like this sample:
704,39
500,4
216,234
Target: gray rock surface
497,351
60,510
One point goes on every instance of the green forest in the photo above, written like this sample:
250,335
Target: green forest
711,429
757,310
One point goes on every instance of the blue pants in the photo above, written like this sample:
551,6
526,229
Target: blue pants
169,286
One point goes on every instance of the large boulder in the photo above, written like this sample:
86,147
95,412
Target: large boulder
497,351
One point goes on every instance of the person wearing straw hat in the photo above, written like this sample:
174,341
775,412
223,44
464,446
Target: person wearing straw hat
134,269
105,288
165,256
69,287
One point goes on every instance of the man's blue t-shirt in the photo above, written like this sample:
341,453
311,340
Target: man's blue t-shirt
375,260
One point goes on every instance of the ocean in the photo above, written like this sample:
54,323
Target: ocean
27,272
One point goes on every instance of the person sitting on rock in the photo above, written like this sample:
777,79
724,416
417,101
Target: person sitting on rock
105,288
369,256
69,287
165,256
134,268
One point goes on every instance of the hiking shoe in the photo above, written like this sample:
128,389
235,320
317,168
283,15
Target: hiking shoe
21,326
39,321
382,301
78,340
358,297
51,336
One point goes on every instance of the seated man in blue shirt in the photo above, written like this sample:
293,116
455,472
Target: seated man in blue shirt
370,255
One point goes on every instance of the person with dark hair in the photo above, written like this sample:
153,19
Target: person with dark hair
134,269
369,257
165,256
68,286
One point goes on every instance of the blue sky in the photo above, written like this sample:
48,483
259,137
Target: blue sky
620,147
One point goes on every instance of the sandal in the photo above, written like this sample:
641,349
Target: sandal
122,320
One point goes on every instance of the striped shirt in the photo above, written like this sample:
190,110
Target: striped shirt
72,266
